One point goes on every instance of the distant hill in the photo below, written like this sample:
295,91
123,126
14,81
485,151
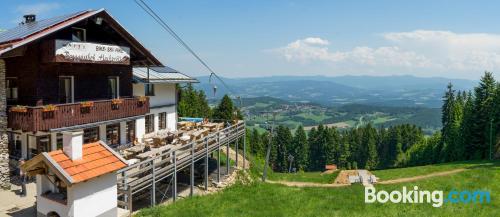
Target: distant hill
335,91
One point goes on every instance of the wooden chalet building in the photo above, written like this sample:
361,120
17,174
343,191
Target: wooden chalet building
73,73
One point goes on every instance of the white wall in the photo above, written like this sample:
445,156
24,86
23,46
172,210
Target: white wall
171,117
123,133
140,128
44,205
102,133
165,94
95,197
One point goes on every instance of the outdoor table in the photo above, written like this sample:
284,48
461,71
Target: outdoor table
136,149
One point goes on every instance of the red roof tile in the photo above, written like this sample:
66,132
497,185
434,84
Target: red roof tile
96,160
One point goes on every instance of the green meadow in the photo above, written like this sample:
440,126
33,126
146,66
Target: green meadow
265,199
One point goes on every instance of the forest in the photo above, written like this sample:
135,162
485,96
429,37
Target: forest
469,120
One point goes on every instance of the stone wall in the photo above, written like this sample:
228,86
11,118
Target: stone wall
4,146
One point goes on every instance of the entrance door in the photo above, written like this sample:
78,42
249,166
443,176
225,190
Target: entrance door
66,89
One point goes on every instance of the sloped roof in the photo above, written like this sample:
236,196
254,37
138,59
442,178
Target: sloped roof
161,75
97,159
29,32
22,31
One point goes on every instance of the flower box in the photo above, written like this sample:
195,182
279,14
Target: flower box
143,98
87,104
49,108
116,101
19,108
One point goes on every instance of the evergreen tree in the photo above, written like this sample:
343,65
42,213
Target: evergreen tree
447,120
482,115
301,148
224,110
466,127
282,143
370,144
256,146
192,103
315,142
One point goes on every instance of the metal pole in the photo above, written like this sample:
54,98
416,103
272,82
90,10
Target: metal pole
125,186
218,157
491,137
244,148
264,174
191,182
227,158
153,189
129,192
206,164
174,187
237,139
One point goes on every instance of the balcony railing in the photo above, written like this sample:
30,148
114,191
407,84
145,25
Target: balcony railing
43,118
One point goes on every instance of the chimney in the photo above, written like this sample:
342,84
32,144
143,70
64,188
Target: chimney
73,144
29,18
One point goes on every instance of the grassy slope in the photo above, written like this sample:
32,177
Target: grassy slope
263,199
304,177
423,170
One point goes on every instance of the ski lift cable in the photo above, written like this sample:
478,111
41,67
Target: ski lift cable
166,27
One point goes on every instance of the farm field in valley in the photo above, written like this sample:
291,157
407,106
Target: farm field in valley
309,115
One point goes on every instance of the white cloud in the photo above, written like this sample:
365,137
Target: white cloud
38,8
428,52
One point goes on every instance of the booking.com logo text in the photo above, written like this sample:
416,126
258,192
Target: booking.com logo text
424,196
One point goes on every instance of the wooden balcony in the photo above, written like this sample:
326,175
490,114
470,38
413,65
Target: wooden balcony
43,118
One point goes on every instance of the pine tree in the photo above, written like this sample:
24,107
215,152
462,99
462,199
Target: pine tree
370,142
328,147
400,156
224,110
466,127
447,121
345,154
483,113
282,143
256,147
301,146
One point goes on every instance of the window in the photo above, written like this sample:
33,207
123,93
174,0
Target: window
14,145
162,122
66,89
11,89
113,87
78,34
91,135
150,124
37,145
149,89
59,141
130,129
113,134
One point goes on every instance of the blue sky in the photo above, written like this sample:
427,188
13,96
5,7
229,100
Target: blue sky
456,39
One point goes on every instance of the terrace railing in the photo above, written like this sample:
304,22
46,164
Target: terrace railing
43,118
146,174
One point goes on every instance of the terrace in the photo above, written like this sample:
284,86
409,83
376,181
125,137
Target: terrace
162,155
43,118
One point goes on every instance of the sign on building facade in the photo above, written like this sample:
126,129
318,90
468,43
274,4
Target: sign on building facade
85,52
